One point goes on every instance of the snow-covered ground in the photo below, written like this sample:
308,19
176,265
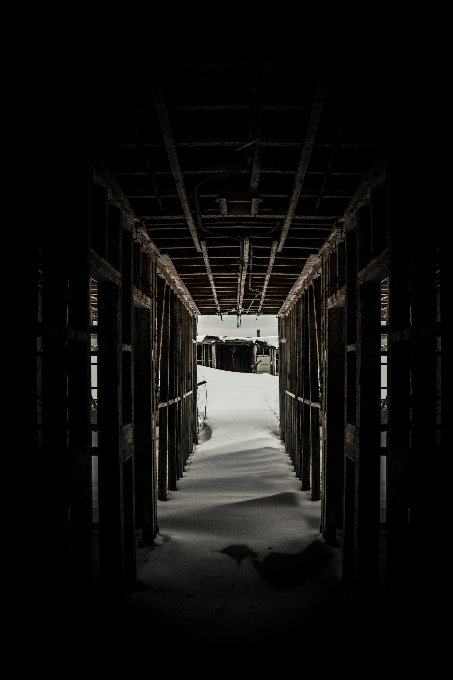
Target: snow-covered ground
239,557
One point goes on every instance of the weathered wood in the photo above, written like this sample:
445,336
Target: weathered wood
268,274
333,466
369,418
306,453
363,220
99,221
164,396
204,250
143,426
310,135
314,397
170,147
109,427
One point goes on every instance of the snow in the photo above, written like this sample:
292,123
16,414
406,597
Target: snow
270,339
239,490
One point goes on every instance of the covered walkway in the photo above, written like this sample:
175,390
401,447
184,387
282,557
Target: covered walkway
239,560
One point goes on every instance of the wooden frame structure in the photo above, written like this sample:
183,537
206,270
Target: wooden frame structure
275,186
110,303
360,378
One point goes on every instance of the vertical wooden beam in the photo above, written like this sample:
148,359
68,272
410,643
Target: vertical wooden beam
363,220
333,468
99,228
398,381
314,397
172,386
378,220
164,392
369,410
78,381
110,445
143,425
282,373
194,380
306,453
115,239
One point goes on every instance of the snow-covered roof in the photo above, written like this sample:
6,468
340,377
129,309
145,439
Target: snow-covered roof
271,340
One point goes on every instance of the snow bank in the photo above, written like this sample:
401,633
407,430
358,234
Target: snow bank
234,390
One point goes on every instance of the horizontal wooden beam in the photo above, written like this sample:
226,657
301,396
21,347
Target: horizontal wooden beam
315,117
268,274
169,142
204,250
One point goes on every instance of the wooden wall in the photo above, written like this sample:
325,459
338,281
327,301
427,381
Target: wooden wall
359,439
116,355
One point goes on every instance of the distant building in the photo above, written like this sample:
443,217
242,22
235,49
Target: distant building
245,355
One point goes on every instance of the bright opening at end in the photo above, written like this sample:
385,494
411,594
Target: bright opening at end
266,324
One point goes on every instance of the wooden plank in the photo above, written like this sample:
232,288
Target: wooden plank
101,270
306,452
110,444
164,122
314,396
333,468
143,425
310,135
245,250
369,419
204,250
164,396
268,274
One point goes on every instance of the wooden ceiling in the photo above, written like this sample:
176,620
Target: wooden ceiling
239,170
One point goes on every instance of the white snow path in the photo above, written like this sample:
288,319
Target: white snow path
239,489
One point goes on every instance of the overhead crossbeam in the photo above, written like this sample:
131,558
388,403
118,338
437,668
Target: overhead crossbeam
243,273
268,274
167,135
308,266
204,250
313,124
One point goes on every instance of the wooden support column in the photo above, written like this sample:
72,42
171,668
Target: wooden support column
79,383
314,398
398,385
282,374
369,410
298,388
164,392
333,467
350,447
172,394
306,453
144,441
112,567
50,466
194,380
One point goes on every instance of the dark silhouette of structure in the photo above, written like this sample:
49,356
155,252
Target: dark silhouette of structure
185,187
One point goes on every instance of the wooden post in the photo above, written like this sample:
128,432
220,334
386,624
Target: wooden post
306,454
314,398
164,392
110,444
144,426
369,410
333,472
398,385
172,394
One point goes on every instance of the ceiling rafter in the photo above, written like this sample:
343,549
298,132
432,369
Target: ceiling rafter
268,274
315,117
204,250
170,147
243,273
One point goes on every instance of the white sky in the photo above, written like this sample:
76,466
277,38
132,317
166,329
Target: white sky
213,325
